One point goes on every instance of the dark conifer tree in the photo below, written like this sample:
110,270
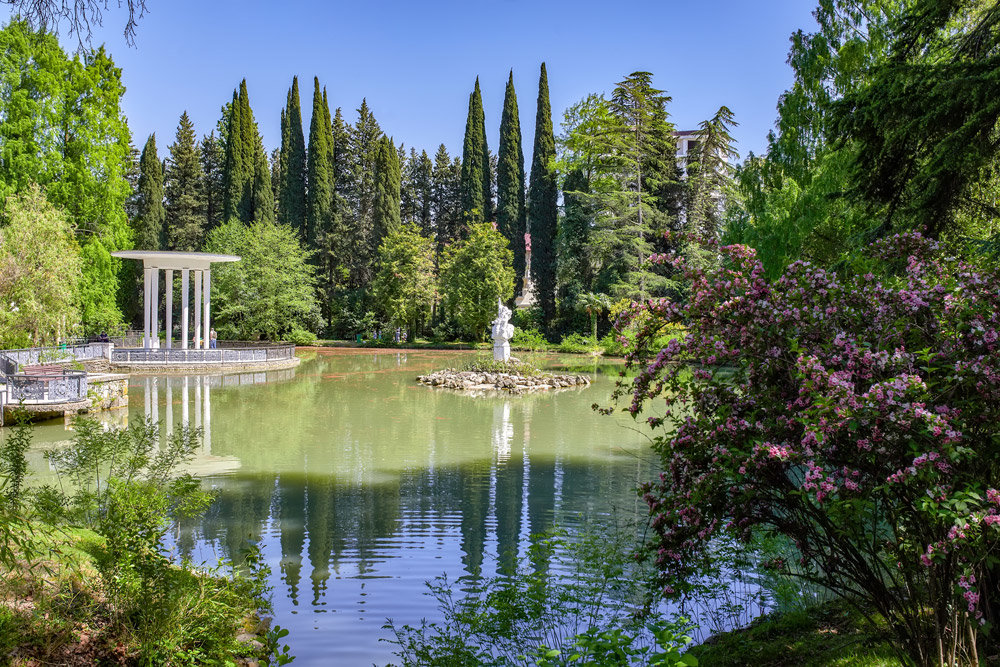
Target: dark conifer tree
542,205
275,163
292,202
422,186
365,138
263,208
477,179
319,198
387,186
446,196
244,150
409,203
183,180
573,247
147,225
212,159
511,211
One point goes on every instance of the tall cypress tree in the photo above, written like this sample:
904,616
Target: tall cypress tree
320,197
147,225
543,211
477,179
235,174
212,160
292,202
183,182
387,193
511,212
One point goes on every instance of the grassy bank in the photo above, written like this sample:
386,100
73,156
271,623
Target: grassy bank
828,635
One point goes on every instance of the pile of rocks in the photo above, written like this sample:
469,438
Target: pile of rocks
514,383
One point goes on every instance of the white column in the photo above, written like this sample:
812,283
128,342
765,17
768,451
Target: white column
147,411
168,288
197,309
207,280
184,309
146,304
154,312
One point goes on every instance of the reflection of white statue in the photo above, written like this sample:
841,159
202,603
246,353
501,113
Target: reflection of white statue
503,331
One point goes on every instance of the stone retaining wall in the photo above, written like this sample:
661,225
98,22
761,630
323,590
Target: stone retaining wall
214,367
104,392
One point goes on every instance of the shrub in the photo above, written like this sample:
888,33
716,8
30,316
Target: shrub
853,413
490,365
528,339
576,343
301,337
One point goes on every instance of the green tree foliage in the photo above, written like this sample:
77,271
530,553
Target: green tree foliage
40,270
364,143
320,196
212,160
292,188
270,292
923,125
62,127
405,284
475,272
386,211
625,148
446,182
511,211
147,226
542,205
477,179
791,202
573,250
183,182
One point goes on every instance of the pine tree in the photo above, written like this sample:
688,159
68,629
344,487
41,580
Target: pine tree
320,197
511,213
212,159
446,197
422,185
709,174
477,178
147,225
292,201
542,205
409,202
183,180
387,185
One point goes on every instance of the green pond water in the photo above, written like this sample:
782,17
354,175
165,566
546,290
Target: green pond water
360,484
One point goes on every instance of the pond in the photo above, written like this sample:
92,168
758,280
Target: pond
360,484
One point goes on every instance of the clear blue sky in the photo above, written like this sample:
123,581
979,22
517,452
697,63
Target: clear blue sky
416,62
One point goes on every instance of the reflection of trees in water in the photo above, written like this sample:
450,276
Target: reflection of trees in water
338,523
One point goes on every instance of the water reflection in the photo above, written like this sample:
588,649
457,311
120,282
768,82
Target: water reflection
360,484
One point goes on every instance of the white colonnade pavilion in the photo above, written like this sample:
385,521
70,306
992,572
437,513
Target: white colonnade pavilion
195,269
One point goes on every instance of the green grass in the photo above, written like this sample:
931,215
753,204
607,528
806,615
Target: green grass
829,635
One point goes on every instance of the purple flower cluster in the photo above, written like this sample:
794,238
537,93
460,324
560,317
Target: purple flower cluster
861,405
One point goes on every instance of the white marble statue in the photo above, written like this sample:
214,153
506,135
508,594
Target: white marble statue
503,331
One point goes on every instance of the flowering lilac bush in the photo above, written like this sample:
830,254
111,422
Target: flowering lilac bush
858,414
